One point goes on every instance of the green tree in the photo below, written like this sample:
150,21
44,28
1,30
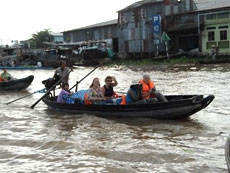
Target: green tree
39,39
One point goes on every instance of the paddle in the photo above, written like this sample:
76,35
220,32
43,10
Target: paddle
83,78
26,96
47,92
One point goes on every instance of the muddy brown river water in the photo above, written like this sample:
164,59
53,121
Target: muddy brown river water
40,140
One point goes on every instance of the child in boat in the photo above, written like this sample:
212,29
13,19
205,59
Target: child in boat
64,92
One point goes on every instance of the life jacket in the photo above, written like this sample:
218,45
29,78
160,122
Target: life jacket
147,87
123,100
87,102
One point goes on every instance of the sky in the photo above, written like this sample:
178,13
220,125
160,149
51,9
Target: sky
22,18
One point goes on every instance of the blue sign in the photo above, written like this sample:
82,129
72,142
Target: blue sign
156,23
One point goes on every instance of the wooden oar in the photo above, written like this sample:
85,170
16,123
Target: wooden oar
26,96
76,85
47,92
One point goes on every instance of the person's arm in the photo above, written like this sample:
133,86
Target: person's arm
102,90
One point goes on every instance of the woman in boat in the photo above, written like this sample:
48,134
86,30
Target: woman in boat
6,76
64,92
149,89
107,89
95,95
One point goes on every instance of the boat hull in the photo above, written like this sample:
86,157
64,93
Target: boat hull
173,109
17,84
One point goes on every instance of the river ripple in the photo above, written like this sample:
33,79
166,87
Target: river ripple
40,140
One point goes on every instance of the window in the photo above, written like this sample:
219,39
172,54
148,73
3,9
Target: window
211,36
211,28
211,16
223,27
223,35
223,15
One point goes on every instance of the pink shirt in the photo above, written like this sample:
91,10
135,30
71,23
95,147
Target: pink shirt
61,94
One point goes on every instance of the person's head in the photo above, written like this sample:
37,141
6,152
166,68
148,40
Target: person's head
65,86
63,64
146,78
4,70
95,83
108,80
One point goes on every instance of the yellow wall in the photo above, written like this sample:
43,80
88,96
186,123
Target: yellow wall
214,25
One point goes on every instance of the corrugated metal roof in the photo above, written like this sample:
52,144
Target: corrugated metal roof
56,34
201,4
140,3
211,4
111,22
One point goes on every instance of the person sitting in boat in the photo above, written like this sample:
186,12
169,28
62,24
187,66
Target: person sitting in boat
134,94
62,71
149,89
64,92
6,76
94,94
107,89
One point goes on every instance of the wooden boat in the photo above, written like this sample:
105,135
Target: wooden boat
227,153
95,52
177,107
17,84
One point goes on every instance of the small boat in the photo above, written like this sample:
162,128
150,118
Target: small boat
177,107
16,84
95,52
227,153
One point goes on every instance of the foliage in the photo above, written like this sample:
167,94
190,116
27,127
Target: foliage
38,40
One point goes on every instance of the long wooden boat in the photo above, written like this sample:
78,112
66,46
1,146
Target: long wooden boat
177,107
16,84
227,153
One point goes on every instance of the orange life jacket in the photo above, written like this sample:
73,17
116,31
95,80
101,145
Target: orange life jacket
123,101
87,102
147,87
